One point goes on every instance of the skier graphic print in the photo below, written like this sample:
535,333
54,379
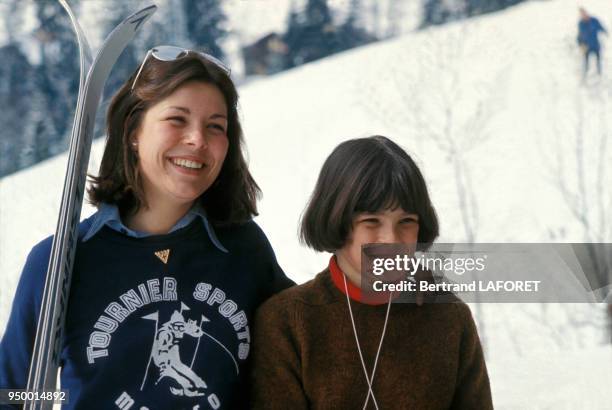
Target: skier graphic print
166,354
183,345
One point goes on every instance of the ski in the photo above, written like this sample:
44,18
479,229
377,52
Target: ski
44,363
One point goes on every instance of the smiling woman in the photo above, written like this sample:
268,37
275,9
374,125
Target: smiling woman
179,110
181,146
171,267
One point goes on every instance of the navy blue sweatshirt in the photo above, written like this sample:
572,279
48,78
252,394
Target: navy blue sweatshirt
161,322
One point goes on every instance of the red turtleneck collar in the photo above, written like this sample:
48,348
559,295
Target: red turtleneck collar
355,292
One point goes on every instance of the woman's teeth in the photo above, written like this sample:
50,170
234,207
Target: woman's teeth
186,163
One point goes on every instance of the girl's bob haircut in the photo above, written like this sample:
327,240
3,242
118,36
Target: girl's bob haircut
231,198
365,175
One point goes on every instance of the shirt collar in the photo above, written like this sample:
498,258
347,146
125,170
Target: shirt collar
108,215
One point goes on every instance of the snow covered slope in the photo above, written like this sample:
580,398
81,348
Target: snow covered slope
494,113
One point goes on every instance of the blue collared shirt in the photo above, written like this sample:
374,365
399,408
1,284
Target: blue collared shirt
108,215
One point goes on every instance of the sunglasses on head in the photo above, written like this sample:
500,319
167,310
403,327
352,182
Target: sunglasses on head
172,53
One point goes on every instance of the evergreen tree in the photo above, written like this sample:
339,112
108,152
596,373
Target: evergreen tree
350,34
15,93
310,34
205,24
292,39
57,77
442,11
476,7
38,101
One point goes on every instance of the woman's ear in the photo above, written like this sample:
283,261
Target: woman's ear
133,147
133,141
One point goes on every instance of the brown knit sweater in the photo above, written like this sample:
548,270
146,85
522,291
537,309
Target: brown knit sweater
305,355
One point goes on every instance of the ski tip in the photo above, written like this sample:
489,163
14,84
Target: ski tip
147,10
141,16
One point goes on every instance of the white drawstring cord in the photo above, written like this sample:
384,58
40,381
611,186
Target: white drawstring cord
370,380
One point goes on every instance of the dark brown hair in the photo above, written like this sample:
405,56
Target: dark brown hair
233,195
365,175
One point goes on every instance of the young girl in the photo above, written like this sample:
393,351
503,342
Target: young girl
320,345
170,269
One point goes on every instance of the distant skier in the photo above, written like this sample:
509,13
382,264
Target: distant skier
588,32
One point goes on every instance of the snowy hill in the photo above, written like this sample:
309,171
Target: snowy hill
513,147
